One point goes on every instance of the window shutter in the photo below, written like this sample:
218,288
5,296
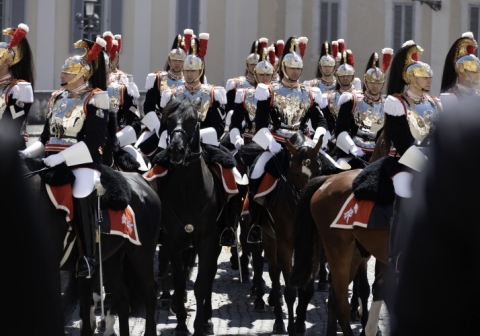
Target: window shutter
397,27
323,23
334,19
116,16
408,28
194,15
183,14
18,13
474,12
76,32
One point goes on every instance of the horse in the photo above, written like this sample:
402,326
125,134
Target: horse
319,206
192,203
114,250
294,166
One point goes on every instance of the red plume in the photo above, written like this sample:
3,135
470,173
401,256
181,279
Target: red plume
271,54
471,49
341,46
118,37
415,57
334,49
187,36
18,35
302,45
263,41
203,43
350,59
113,50
386,58
100,43
108,37
280,47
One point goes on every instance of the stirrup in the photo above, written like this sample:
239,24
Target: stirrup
227,237
254,237
87,267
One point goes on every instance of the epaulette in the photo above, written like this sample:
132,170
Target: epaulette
100,99
393,106
262,92
132,90
231,84
22,91
166,96
345,97
318,97
151,77
220,94
240,97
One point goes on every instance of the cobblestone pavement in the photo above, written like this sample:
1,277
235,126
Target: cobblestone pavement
233,309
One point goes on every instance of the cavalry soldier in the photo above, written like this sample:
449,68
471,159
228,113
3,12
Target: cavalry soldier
124,118
282,109
279,47
360,116
461,72
74,133
157,82
16,81
325,75
248,80
411,116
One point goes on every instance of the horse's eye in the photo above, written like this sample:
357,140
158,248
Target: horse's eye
306,162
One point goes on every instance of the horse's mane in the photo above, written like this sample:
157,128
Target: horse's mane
181,109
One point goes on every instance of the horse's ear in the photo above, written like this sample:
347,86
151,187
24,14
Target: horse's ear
318,146
290,147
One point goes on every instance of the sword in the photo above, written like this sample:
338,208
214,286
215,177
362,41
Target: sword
33,173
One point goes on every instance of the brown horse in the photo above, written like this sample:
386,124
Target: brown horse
320,204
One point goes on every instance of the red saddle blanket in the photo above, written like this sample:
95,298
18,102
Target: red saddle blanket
364,213
228,179
122,222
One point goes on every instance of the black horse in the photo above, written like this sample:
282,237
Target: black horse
114,249
192,203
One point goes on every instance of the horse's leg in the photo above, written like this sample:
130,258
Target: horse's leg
112,268
246,250
258,288
363,292
378,291
179,284
323,281
304,297
339,253
85,290
207,267
284,258
208,325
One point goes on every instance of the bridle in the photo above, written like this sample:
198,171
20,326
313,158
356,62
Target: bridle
190,155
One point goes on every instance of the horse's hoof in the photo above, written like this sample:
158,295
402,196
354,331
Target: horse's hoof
246,278
323,286
208,328
279,328
164,304
259,306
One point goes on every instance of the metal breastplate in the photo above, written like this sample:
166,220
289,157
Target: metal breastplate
168,82
292,104
114,90
3,103
66,118
333,98
422,118
369,117
250,103
323,87
242,82
202,96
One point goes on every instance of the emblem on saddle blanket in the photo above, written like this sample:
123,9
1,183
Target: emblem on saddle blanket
364,213
116,222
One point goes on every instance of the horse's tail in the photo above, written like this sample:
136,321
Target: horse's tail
70,296
306,237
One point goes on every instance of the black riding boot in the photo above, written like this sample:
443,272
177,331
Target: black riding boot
228,235
85,221
397,233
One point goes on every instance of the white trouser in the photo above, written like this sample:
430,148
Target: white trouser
260,165
144,136
84,181
402,182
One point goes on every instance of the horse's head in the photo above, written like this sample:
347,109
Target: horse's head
183,130
304,161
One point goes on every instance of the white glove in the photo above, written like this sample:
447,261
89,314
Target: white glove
239,143
54,160
274,147
357,152
34,150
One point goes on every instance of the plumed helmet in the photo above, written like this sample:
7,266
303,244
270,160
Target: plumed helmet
13,50
346,68
265,66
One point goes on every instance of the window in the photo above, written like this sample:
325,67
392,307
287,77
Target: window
474,13
107,15
329,20
188,13
403,21
12,12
